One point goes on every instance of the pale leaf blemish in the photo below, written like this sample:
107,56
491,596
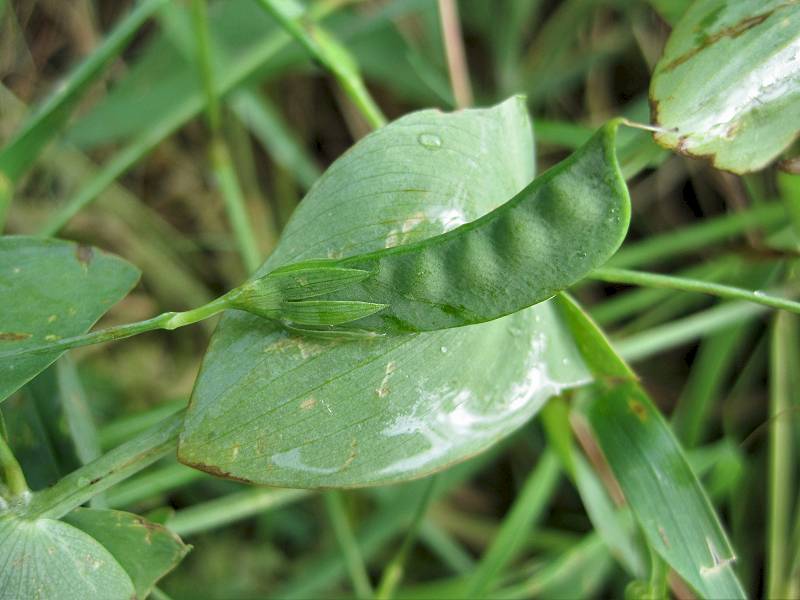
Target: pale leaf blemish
52,337
235,452
383,390
16,270
718,563
352,455
663,535
52,318
308,403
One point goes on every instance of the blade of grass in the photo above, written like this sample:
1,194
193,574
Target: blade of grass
781,459
685,284
691,238
454,50
528,507
153,483
343,532
663,492
221,163
13,477
665,337
231,508
395,568
124,428
266,124
170,121
331,54
50,116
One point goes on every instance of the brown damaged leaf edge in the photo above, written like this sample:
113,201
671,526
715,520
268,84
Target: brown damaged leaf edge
213,470
14,337
732,32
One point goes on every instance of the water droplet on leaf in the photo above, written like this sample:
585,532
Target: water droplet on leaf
430,140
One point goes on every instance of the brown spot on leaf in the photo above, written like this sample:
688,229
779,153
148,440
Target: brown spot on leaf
13,337
84,254
663,535
308,403
638,409
733,31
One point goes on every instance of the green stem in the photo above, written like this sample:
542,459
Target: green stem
659,339
334,506
200,21
333,56
393,573
781,488
684,284
12,472
698,237
168,321
228,509
81,485
225,174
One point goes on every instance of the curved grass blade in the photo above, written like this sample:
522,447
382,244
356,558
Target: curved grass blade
663,492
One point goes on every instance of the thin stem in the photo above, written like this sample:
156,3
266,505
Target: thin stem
12,472
333,56
337,515
780,478
234,507
456,57
221,163
225,174
664,337
200,21
131,457
393,573
685,284
168,321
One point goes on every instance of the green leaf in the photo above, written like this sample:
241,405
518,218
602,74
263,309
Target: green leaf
728,85
145,550
666,498
44,558
51,289
296,411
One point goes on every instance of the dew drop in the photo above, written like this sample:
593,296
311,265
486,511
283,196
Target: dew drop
430,140
443,349
565,361
759,293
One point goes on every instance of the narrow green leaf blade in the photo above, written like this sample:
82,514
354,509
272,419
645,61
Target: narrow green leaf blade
728,85
664,494
298,411
51,289
145,550
44,558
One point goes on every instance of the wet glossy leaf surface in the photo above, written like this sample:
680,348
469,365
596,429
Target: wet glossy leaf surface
668,501
295,411
46,559
145,550
728,84
51,289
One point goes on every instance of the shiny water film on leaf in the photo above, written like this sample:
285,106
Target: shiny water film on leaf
49,290
276,408
728,85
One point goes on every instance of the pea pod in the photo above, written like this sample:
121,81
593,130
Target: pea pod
563,225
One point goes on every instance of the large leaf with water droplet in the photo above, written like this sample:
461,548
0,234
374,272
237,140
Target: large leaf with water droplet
295,411
51,289
728,85
45,558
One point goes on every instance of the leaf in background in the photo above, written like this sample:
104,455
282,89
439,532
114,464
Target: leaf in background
295,411
145,550
663,492
44,558
728,85
51,289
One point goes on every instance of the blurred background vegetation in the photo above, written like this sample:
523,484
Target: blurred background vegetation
141,131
